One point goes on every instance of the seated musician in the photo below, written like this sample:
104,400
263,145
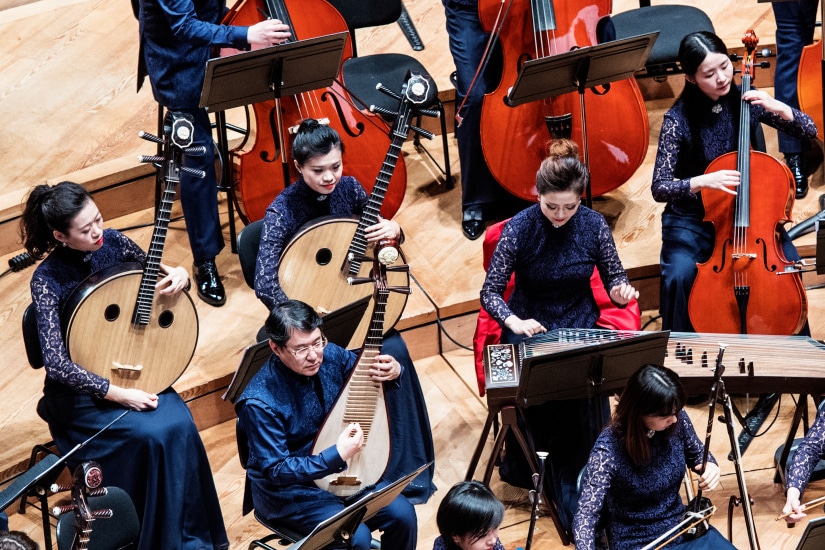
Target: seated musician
321,191
553,247
155,454
282,410
809,452
636,468
468,518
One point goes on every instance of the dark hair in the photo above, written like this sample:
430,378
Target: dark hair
695,47
561,170
50,209
290,316
469,509
17,540
653,390
314,139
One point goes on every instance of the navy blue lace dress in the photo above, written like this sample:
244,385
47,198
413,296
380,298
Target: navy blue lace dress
155,456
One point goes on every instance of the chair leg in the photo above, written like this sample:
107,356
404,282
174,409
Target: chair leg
445,145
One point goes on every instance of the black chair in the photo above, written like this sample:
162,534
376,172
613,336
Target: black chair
249,240
673,22
362,74
31,340
114,533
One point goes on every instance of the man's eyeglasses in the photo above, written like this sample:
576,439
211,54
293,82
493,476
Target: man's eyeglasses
303,351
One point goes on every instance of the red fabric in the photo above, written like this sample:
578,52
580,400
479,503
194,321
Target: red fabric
488,330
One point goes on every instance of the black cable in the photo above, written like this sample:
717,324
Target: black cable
438,317
19,262
651,320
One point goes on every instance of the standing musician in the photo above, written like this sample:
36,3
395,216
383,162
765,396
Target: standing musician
322,190
156,455
176,38
553,247
636,468
702,125
281,411
809,452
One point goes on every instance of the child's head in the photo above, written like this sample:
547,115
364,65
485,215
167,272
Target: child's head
17,540
469,516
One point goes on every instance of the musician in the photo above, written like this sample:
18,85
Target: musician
795,22
155,453
809,452
553,247
176,38
322,190
703,124
17,540
482,198
281,411
636,468
468,518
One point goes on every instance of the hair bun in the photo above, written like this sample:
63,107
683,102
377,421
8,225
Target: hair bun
562,148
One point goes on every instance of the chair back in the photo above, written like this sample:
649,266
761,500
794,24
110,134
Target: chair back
249,240
31,338
368,13
113,533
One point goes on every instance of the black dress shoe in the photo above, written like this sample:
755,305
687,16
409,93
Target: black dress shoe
210,287
794,162
472,228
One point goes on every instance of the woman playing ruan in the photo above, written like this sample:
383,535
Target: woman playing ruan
154,453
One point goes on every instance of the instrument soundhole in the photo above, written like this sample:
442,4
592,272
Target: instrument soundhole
323,256
112,312
166,318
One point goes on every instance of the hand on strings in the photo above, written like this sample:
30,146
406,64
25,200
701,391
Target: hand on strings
793,507
764,100
268,33
623,293
175,279
384,229
350,441
528,327
710,479
385,368
132,398
723,180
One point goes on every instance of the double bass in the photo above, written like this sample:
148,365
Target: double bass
514,139
748,286
262,163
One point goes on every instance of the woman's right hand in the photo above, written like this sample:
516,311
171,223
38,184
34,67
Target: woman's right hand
792,506
132,398
528,327
723,180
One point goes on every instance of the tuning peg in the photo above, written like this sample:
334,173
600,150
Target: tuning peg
193,172
60,510
402,267
428,112
98,492
149,137
400,289
103,513
150,158
381,110
196,150
58,488
351,257
358,280
383,89
421,132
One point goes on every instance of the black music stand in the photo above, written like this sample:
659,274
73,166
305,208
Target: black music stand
265,74
814,536
578,70
342,525
585,371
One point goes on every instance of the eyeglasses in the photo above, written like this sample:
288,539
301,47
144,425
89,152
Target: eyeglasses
303,351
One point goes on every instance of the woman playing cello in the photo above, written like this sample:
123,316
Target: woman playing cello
703,124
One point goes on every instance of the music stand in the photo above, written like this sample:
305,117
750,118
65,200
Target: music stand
578,70
264,74
814,536
342,525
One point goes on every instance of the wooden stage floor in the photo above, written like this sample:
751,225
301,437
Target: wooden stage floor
83,116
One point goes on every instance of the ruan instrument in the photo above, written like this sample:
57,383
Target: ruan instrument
115,322
804,506
361,400
86,482
316,264
810,87
514,139
736,290
263,164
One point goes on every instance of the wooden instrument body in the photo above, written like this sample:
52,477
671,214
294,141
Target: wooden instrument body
369,464
514,139
777,303
313,269
258,171
100,334
809,84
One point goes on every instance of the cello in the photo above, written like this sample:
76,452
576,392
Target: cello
262,163
737,290
514,139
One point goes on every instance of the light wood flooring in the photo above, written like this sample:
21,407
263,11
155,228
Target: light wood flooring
69,107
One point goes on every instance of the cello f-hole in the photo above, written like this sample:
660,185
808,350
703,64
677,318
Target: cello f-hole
359,126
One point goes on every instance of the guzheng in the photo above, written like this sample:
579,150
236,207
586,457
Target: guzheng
754,363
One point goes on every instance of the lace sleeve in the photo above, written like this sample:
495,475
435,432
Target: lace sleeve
273,238
610,266
502,265
665,186
596,483
809,452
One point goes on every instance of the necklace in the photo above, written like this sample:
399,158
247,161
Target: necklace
716,109
650,433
